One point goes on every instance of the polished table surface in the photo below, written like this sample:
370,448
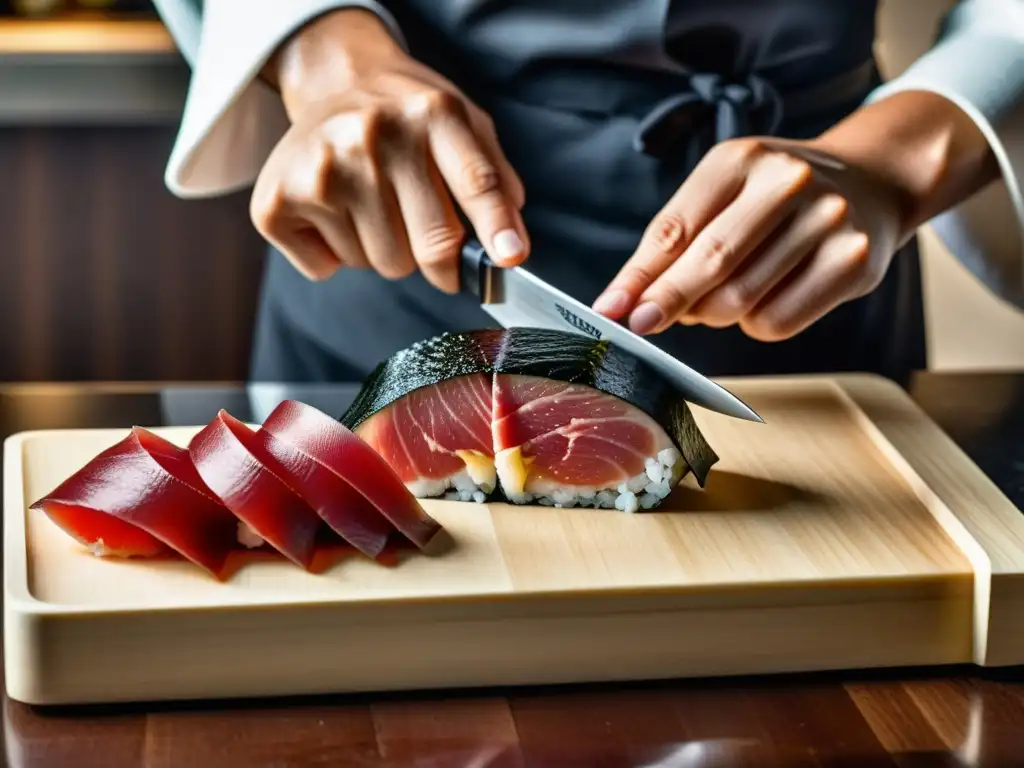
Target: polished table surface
922,717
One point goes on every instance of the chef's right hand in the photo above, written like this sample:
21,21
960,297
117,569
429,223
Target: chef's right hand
378,147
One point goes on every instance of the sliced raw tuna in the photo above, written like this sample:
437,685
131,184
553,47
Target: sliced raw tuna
142,497
234,464
342,507
336,448
439,437
568,441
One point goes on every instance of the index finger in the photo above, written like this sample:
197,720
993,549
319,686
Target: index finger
709,189
474,175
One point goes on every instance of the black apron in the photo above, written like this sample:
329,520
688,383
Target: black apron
603,108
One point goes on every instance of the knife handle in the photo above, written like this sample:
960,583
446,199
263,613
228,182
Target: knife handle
474,269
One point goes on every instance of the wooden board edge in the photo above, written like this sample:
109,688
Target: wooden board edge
236,654
972,510
16,592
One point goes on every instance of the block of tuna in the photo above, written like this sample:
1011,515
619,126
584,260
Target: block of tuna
529,416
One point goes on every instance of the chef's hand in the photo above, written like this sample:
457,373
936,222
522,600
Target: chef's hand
772,234
378,148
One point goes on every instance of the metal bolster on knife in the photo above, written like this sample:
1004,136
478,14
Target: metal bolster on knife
476,271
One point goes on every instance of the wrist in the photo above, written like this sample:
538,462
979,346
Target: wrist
327,56
923,148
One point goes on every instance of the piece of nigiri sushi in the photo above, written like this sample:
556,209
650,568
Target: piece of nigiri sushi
233,463
334,447
549,417
142,497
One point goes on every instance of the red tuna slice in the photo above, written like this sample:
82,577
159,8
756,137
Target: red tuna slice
143,498
229,457
335,447
342,507
438,437
551,436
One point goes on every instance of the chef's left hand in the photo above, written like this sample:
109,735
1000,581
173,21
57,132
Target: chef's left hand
769,234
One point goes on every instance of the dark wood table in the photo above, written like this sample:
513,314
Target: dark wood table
922,717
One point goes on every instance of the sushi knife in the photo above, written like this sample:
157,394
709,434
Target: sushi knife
517,298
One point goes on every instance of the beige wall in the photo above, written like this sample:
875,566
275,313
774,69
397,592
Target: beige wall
969,328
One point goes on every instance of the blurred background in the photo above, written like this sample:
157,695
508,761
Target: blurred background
105,275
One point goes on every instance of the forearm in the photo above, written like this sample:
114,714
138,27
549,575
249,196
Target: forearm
922,146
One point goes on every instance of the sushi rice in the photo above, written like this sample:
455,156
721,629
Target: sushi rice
644,491
458,487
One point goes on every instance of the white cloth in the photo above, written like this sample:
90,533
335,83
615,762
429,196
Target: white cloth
978,64
232,120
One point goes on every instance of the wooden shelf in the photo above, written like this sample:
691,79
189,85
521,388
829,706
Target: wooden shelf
89,69
84,35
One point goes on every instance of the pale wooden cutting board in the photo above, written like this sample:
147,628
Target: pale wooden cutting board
847,531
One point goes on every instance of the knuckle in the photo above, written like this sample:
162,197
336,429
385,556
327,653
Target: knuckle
479,178
351,152
265,207
736,298
836,208
856,259
439,245
261,210
668,232
799,170
869,272
859,253
717,256
439,103
354,136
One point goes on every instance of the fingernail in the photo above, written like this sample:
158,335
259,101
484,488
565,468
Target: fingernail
646,318
507,245
613,303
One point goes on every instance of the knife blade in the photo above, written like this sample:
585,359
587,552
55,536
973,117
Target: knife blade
516,297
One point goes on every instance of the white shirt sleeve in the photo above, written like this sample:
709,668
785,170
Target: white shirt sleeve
978,64
232,120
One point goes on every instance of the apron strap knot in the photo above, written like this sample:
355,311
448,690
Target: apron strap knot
736,105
